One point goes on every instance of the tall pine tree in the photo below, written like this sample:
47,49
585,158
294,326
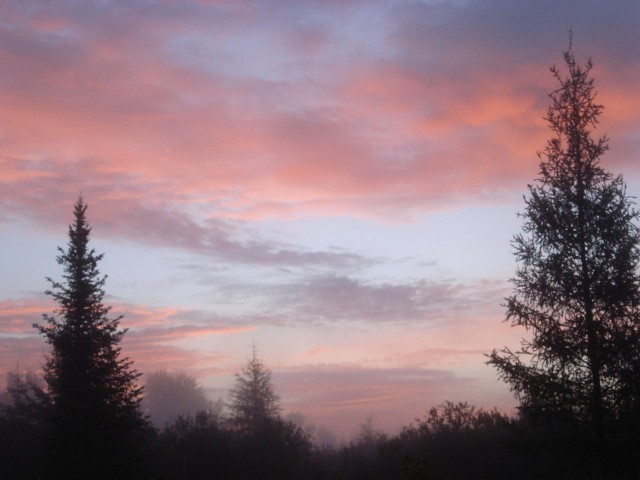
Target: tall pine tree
95,417
576,289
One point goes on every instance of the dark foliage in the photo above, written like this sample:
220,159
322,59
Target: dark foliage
254,443
459,441
274,450
453,441
22,428
95,421
277,449
576,290
194,447
206,446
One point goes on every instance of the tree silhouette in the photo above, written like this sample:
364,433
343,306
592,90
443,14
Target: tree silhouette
170,395
22,415
576,286
95,414
252,399
277,449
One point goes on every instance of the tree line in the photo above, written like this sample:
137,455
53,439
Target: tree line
576,373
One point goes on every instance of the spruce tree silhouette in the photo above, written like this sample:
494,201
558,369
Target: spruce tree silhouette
576,289
253,400
95,418
277,449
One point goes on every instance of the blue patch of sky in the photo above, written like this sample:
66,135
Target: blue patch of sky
26,260
468,243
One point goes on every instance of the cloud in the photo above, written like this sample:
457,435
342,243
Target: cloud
166,334
180,108
150,357
331,299
123,206
18,316
152,339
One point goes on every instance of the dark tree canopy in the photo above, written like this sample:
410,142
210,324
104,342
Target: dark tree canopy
252,399
95,410
576,286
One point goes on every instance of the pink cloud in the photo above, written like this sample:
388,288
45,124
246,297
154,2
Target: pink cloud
166,334
314,352
342,396
149,342
122,208
18,316
390,136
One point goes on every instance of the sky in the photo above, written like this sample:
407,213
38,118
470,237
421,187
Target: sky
335,182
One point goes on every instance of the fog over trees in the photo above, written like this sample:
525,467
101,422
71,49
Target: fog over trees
576,373
169,395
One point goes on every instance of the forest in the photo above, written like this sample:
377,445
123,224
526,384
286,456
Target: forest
576,373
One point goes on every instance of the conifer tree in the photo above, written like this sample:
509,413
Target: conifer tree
253,400
576,289
277,449
95,416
